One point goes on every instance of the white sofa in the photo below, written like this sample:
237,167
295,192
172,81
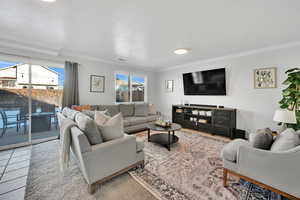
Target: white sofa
101,162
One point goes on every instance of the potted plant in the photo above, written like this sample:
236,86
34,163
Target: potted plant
291,95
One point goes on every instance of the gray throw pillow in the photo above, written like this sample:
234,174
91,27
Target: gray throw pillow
91,113
286,140
127,110
69,113
89,128
113,128
112,109
141,110
262,139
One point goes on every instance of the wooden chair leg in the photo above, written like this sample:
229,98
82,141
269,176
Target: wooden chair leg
91,188
225,175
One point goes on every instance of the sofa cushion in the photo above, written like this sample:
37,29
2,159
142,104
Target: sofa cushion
91,113
127,110
141,110
113,128
230,150
89,127
69,113
152,109
139,145
126,121
286,140
112,109
140,120
262,139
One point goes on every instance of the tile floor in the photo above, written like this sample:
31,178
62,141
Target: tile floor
14,167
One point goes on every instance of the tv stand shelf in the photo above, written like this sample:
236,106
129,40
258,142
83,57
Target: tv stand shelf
219,121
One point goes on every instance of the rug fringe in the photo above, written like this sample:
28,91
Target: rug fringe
155,193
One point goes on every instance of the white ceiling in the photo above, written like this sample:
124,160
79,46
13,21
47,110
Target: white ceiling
147,31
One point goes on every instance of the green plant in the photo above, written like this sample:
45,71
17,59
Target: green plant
291,95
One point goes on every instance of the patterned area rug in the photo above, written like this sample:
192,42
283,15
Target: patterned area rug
192,170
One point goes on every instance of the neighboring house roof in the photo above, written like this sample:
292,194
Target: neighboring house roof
14,66
8,78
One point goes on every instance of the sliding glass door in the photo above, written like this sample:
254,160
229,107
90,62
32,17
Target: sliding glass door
30,96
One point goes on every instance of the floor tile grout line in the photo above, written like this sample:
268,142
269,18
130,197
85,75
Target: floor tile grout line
6,165
12,190
17,169
13,179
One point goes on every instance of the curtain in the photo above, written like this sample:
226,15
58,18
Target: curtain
71,93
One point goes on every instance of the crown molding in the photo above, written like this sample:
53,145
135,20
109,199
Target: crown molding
236,55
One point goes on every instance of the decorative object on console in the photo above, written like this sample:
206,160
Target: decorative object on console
265,78
97,83
290,95
285,117
81,107
169,85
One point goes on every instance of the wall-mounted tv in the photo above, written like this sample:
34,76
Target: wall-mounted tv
210,82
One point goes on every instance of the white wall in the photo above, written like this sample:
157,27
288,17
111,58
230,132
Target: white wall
255,107
87,68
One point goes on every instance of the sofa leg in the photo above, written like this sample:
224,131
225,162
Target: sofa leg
143,164
225,175
92,188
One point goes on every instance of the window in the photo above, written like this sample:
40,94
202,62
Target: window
130,88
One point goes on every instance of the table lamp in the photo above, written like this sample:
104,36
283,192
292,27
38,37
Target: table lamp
286,117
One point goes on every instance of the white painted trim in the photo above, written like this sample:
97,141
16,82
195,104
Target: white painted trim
245,53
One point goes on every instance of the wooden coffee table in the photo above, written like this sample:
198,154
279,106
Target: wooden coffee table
167,136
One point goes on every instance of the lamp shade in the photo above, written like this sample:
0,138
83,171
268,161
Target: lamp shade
285,116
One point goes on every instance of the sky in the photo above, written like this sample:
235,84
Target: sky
60,71
135,78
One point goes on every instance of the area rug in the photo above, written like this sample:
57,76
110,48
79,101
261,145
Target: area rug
192,170
47,182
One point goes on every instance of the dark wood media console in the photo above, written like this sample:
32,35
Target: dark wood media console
211,119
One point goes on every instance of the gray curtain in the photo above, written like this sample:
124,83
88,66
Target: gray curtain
71,93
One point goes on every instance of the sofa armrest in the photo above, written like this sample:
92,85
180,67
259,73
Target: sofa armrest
277,169
109,157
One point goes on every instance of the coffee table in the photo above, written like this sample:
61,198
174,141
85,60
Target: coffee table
165,138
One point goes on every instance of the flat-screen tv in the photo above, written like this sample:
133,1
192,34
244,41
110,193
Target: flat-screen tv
210,82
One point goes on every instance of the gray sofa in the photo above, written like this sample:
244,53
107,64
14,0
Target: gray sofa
103,161
276,171
132,121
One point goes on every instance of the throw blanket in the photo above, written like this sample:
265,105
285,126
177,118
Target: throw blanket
65,142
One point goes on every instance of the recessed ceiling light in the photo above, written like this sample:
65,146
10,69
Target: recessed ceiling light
50,1
181,51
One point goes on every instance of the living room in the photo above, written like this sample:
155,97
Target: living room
149,100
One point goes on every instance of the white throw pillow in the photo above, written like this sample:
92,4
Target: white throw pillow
112,128
101,117
286,140
152,109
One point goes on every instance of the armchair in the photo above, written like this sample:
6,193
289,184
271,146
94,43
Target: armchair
275,171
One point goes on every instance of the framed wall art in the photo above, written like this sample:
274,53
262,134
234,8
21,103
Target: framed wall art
97,83
169,85
265,78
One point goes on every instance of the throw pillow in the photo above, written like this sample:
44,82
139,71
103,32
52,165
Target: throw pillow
127,110
262,139
82,107
141,110
152,109
112,128
101,117
91,113
89,128
286,140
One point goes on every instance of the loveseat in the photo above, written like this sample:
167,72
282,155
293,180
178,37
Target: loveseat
103,161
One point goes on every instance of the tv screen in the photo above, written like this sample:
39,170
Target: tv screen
210,82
